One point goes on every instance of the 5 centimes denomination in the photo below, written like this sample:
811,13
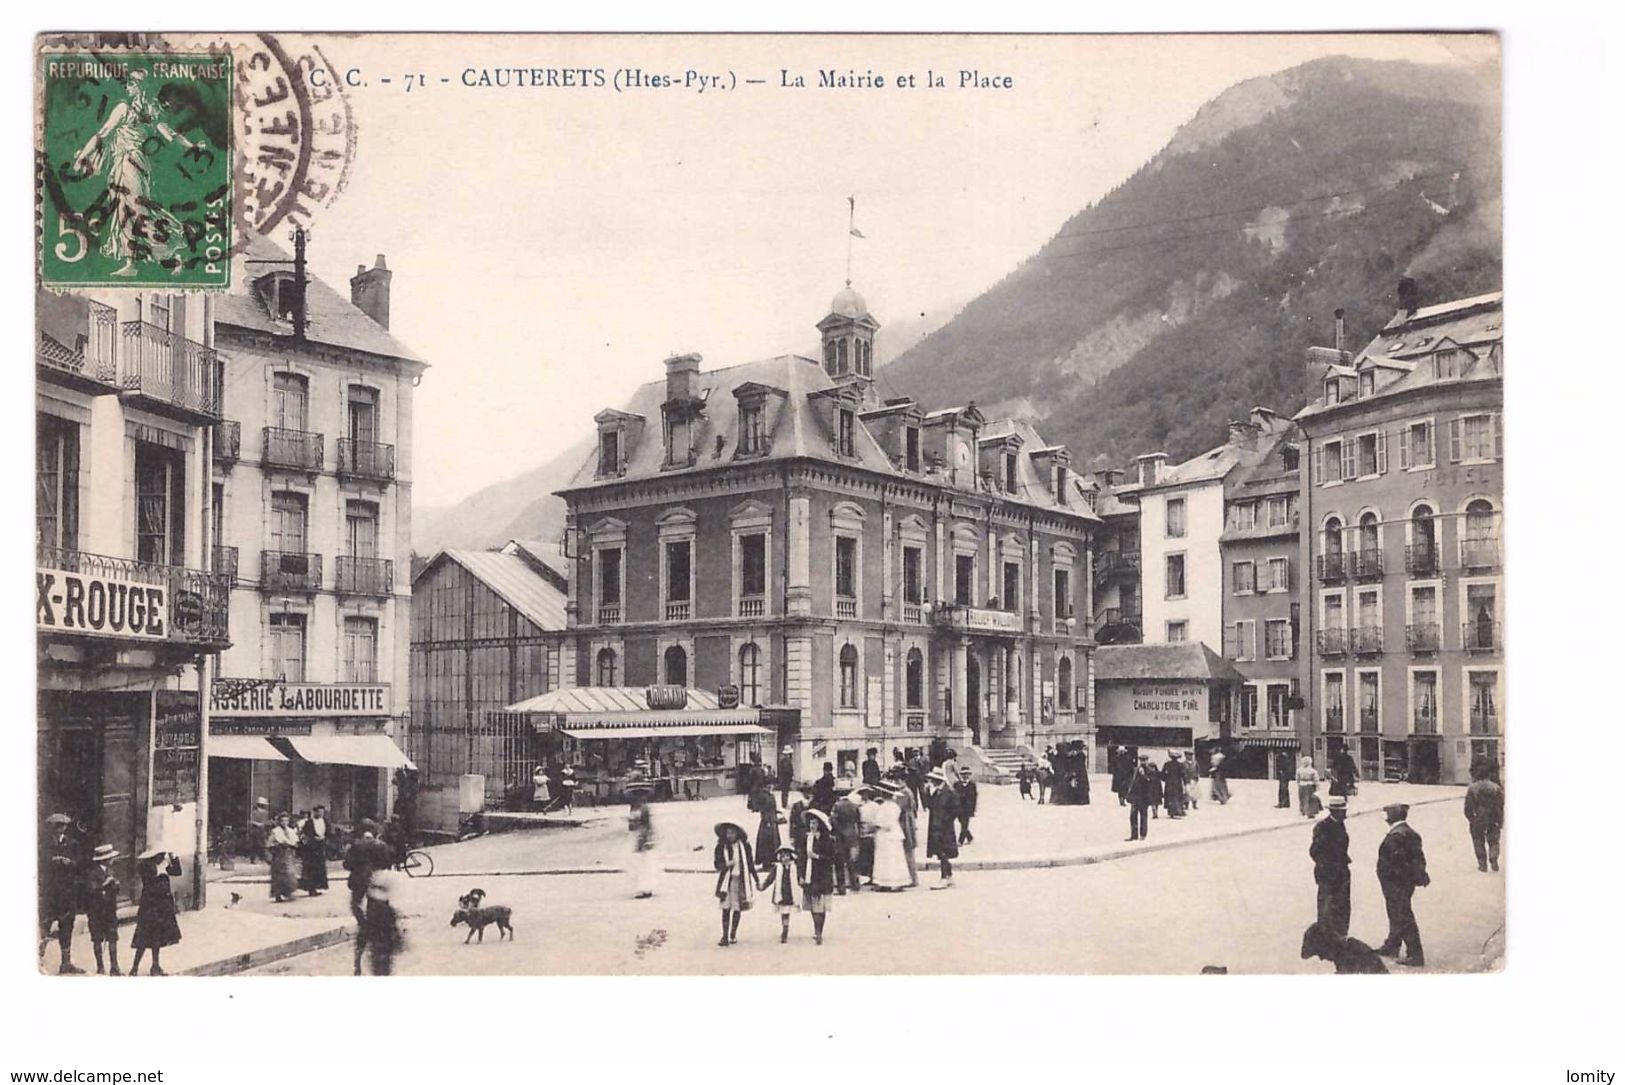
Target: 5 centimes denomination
136,169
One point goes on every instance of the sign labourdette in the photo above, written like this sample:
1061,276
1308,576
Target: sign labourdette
299,699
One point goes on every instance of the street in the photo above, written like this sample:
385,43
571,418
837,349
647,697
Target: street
1240,902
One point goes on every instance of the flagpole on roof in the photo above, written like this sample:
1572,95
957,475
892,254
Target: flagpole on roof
851,225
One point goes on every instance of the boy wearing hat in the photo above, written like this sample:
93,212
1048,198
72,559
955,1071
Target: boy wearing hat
101,907
1401,869
966,786
1329,850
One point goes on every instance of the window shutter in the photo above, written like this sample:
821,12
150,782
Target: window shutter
1432,454
1351,467
1252,639
1404,447
1382,452
1315,466
1497,417
1455,440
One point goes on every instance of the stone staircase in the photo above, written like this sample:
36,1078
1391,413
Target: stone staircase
1002,764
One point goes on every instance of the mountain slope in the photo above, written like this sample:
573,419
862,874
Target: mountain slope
1187,294
522,507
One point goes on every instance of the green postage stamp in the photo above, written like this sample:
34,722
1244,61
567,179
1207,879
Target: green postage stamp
135,171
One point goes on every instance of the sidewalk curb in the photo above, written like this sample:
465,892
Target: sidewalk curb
242,962
1107,856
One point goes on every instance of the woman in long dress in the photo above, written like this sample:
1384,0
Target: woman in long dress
156,924
891,865
283,843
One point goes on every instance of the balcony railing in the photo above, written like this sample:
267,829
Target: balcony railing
1332,642
1425,722
1480,722
170,369
1365,564
1481,636
366,459
913,613
1421,559
92,359
678,611
1334,720
224,561
363,576
1117,563
195,603
1480,553
846,608
292,448
1422,637
1331,568
1369,720
752,606
609,614
1366,640
228,443
286,570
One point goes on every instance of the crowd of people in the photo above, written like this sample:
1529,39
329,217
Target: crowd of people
1147,789
73,882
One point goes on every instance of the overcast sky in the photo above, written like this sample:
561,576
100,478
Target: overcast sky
552,246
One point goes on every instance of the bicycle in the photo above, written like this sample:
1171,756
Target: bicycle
416,864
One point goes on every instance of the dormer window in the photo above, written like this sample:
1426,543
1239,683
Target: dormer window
1332,397
1446,364
1061,484
911,448
846,425
1368,382
609,452
1010,472
276,292
678,448
752,440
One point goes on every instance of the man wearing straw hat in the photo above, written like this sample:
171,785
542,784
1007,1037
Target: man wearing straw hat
60,882
1329,850
941,841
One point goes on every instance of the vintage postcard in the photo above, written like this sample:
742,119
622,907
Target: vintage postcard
988,504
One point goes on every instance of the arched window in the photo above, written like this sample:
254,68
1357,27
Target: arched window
676,666
914,679
1422,536
849,676
606,666
1370,539
1480,519
1332,536
290,402
842,365
1063,684
750,675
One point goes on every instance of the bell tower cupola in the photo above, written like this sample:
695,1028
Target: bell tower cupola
849,337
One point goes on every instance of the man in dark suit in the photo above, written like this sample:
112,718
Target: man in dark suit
824,789
787,775
1401,870
61,877
1329,849
941,842
367,856
1122,775
1140,792
966,786
871,767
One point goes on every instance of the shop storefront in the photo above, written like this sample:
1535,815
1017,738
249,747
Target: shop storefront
298,745
692,745
1152,698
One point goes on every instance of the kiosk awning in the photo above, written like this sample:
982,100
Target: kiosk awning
374,751
661,731
244,748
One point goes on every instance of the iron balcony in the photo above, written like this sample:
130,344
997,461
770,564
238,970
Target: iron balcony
1421,559
1331,568
1422,637
1110,563
1332,642
366,460
169,373
224,561
1481,636
293,448
1365,564
1366,640
287,570
1480,553
363,576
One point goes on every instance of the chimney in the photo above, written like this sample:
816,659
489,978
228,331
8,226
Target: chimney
369,291
680,370
1410,299
1337,334
1265,419
1151,466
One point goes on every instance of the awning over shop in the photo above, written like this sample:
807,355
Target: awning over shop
673,730
244,748
375,751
